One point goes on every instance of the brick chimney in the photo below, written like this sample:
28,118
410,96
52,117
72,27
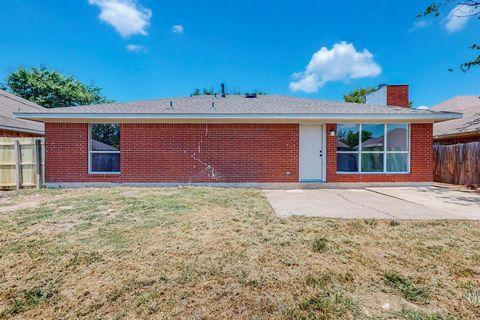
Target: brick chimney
390,95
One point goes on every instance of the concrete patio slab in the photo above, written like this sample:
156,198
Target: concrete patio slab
379,203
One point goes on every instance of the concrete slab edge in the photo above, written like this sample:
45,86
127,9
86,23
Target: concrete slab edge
246,185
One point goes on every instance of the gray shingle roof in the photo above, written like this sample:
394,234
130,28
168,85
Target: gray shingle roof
235,104
232,105
469,106
9,104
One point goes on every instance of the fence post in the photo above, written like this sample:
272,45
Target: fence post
38,164
18,164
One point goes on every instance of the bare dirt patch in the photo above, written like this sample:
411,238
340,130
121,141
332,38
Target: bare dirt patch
179,253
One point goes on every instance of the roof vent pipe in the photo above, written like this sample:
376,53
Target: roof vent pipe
223,90
171,105
213,105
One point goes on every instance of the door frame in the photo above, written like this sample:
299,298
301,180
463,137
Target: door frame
324,152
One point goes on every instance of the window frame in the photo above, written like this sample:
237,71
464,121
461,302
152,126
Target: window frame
385,151
90,152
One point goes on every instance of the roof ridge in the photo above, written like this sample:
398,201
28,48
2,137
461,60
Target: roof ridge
220,98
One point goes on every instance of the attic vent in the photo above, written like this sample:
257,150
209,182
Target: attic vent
250,95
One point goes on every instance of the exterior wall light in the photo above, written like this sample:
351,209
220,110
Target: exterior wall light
332,132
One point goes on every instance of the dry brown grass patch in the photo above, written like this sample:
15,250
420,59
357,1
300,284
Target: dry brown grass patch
221,253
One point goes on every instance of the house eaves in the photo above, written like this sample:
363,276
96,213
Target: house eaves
284,117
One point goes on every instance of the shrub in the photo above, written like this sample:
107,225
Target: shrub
412,314
320,245
409,290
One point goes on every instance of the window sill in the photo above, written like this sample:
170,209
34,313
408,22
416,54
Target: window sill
369,173
104,173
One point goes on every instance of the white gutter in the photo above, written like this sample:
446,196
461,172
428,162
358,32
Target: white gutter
9,128
236,116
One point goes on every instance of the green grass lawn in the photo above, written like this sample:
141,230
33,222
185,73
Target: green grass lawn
204,253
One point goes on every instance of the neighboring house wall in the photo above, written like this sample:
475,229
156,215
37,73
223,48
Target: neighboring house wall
17,134
457,139
180,153
421,157
212,153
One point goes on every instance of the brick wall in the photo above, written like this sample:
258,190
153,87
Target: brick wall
17,134
421,159
212,153
180,153
397,95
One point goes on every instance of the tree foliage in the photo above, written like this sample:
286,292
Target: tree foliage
470,8
358,95
107,133
351,138
51,89
229,91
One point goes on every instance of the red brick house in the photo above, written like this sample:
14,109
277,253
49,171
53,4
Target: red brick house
11,127
237,139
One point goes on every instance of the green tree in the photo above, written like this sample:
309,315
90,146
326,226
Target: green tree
358,95
229,91
196,92
107,133
351,138
460,9
51,89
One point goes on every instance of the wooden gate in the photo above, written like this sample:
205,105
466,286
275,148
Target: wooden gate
457,163
21,163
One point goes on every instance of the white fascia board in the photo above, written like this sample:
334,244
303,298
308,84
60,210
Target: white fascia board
17,129
435,117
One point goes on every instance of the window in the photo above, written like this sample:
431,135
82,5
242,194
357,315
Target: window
373,148
398,148
104,148
347,147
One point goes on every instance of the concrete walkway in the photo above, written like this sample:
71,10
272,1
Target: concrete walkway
380,203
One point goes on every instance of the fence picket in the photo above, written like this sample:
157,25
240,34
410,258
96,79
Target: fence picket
21,162
457,163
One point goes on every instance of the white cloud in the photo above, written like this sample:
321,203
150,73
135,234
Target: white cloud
126,16
418,24
458,17
422,108
178,29
137,48
342,62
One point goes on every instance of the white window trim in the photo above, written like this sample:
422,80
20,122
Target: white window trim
385,152
90,152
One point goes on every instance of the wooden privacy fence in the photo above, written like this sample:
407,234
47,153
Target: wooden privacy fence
21,163
457,163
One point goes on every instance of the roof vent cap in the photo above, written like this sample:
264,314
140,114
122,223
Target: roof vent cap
250,95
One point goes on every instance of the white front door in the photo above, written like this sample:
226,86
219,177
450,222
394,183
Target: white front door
311,153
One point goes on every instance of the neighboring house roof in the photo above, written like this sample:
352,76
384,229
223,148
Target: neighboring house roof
469,124
98,145
236,107
342,146
395,140
9,104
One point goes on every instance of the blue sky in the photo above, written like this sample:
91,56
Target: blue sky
149,49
